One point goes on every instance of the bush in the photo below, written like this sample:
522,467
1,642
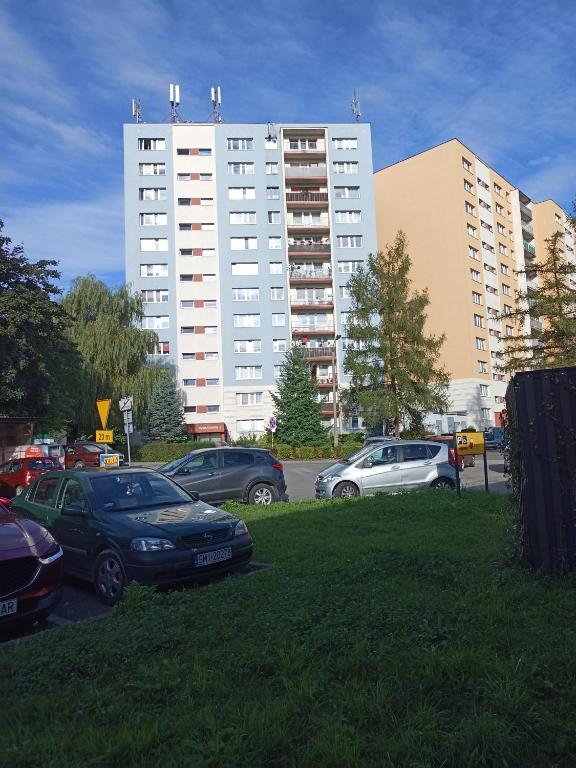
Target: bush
283,451
157,451
307,452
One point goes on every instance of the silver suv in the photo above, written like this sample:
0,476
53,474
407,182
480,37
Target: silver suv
403,465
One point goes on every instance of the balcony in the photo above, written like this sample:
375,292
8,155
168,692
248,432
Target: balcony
309,247
299,275
318,222
309,198
324,381
305,330
525,212
528,229
318,353
311,302
529,250
535,324
305,171
304,146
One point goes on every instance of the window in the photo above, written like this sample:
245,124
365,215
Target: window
470,208
342,193
152,193
271,168
505,289
498,189
274,243
487,226
186,278
504,269
509,330
272,193
348,217
278,319
207,226
247,321
492,290
345,167
249,425
245,294
466,164
484,390
275,267
344,292
475,275
499,209
187,303
184,201
248,346
153,270
349,241
186,251
245,268
187,329
277,371
348,267
241,193
205,177
501,229
155,322
478,321
279,345
344,143
212,409
210,304
206,201
188,382
153,219
483,183
242,217
152,169
480,343
212,382
241,169
153,244
468,187
240,144
273,217
488,247
46,492
486,413
185,227
243,243
476,298
471,230
152,144
189,409
74,497
183,177
248,372
271,142
250,398
482,366
473,253
485,205
502,248
210,330
155,297
277,294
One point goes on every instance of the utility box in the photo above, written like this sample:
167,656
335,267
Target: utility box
542,439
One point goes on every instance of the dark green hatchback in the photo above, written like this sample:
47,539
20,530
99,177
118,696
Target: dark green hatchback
118,526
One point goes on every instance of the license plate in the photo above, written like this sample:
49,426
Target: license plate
217,556
7,607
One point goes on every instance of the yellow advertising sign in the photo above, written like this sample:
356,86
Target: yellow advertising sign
104,436
470,443
109,460
103,407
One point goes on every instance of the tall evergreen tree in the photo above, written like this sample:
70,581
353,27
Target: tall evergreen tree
165,413
393,363
298,414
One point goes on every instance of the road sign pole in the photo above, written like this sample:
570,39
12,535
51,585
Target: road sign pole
128,446
486,487
457,462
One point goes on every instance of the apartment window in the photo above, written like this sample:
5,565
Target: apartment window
348,217
189,409
275,267
248,372
212,409
482,366
183,177
468,187
484,390
152,193
473,253
489,268
245,294
249,398
210,355
492,290
241,193
241,169
475,275
277,371
504,269
207,226
303,145
188,382
153,219
271,168
210,329
509,330
185,227
348,267
212,382
152,169
186,251
501,229
482,183
486,413
153,244
251,426
155,296
466,164
277,294
480,343
506,289
243,243
184,201
210,304
248,346
274,243
485,205
152,144
349,241
502,248
271,142
345,167
278,319
344,143
279,345
498,189
187,303
156,323
470,208
240,144
187,329
499,209
162,348
471,230
272,193
153,270
476,298
247,321
242,217
206,201
187,278
478,321
488,247
273,217
507,309
344,292
245,268
487,226
342,193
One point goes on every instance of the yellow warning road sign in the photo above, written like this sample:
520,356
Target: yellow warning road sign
103,407
104,436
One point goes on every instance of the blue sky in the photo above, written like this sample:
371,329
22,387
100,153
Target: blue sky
501,77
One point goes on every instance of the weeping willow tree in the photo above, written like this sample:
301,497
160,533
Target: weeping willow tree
105,329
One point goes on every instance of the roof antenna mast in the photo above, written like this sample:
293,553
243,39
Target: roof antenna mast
216,98
174,103
137,110
356,107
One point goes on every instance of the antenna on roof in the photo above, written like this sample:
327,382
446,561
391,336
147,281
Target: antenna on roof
137,110
216,98
271,132
174,102
356,107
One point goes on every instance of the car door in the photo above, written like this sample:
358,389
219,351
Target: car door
417,466
201,473
72,526
41,501
236,473
381,470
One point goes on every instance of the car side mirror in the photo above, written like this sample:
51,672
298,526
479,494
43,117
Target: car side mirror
369,462
194,495
182,471
75,508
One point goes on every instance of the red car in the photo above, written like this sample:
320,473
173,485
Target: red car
81,455
18,473
30,569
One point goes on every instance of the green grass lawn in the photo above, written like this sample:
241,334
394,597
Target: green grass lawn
389,632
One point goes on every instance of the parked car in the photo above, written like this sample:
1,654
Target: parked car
30,569
134,525
252,475
16,474
389,467
82,455
103,448
494,438
448,439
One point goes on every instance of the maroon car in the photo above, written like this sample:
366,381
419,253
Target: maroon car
30,569
16,474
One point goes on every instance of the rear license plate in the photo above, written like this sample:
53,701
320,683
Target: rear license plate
7,607
217,556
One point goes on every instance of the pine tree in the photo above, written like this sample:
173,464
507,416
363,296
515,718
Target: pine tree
298,415
165,413
393,363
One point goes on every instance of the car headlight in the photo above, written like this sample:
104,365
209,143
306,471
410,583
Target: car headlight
241,529
151,545
53,554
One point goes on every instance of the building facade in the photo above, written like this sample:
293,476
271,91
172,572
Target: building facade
241,238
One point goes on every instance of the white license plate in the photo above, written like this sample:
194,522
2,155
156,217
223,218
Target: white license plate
217,556
7,607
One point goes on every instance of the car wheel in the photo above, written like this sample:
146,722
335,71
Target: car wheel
79,465
262,494
444,483
18,490
346,490
109,577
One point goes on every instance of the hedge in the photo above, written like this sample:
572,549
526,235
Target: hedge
283,451
157,451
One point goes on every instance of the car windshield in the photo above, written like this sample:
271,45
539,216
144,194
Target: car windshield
172,464
362,452
135,490
43,464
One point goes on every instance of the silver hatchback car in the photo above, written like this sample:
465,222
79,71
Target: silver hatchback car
403,465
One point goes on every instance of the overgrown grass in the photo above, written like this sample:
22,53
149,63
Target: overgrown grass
389,632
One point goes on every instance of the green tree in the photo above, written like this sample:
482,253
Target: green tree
105,328
298,415
37,360
165,413
393,363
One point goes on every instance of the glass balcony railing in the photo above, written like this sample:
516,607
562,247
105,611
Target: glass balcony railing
310,246
306,197
530,248
303,273
305,171
325,302
318,352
